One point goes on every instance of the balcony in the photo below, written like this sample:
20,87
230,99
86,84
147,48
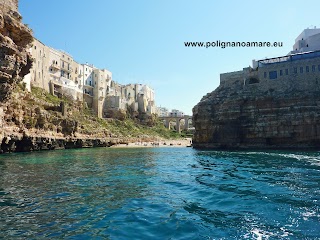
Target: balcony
89,86
67,69
54,66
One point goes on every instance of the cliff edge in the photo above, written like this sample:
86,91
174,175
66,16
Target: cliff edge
250,110
15,38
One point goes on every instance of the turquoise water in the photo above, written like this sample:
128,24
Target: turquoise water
159,193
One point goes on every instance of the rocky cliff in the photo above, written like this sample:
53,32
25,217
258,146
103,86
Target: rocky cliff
270,114
36,120
24,118
15,38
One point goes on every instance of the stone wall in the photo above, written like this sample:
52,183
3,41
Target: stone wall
270,113
227,79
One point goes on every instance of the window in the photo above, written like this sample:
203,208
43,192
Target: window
281,72
313,68
273,75
265,74
35,47
301,69
287,71
295,70
319,68
307,68
90,83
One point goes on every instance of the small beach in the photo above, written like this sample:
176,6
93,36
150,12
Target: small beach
185,142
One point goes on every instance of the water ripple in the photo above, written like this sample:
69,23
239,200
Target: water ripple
160,193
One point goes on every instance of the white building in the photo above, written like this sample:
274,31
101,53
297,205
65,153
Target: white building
176,113
308,40
162,112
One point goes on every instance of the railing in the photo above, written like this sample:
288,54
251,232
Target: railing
67,69
55,66
66,83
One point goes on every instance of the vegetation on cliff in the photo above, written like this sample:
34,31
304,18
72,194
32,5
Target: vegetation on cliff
40,112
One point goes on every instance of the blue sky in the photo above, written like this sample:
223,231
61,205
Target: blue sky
143,41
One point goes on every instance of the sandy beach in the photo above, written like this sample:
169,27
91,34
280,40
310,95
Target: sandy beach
185,142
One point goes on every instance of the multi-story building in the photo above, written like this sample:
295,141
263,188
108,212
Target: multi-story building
162,112
39,74
176,113
308,40
102,80
88,84
301,65
58,73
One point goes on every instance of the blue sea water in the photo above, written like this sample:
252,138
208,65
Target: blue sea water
159,193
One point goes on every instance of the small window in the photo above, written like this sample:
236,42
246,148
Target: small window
287,71
301,69
307,68
281,72
273,75
35,47
295,70
313,68
265,74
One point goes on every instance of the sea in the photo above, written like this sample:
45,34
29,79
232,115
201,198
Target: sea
160,193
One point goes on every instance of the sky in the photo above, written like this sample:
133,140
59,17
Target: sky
142,41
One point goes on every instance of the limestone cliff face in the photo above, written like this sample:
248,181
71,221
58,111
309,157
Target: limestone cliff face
15,38
270,114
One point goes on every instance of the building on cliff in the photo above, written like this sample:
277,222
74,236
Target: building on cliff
301,63
275,103
162,112
59,74
308,40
